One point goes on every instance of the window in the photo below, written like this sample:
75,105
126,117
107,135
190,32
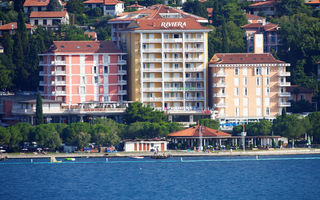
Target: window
267,111
236,91
82,90
245,91
258,71
96,80
176,65
245,101
236,81
236,71
267,81
267,91
94,69
258,111
105,69
236,101
245,71
258,101
268,70
258,91
35,22
245,111
166,36
176,36
267,101
83,80
258,81
44,22
237,112
245,81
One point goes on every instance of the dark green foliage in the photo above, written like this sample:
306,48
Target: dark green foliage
18,5
54,5
314,130
210,123
300,106
195,7
4,136
46,136
136,112
75,6
95,12
261,128
39,112
291,7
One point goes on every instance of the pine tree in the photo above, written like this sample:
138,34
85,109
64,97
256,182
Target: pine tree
225,44
39,113
55,5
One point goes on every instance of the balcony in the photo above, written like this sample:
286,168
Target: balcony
219,85
284,104
284,94
198,69
189,79
151,50
152,89
152,79
158,99
122,72
41,73
193,39
41,62
173,40
195,89
122,62
194,98
179,89
120,92
194,50
58,62
173,99
219,74
284,84
59,92
219,95
173,60
284,73
152,69
220,105
172,49
58,72
122,82
173,69
173,79
194,60
58,83
41,83
151,40
151,60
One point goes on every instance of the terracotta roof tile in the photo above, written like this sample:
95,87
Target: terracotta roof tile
92,35
253,17
13,25
84,47
314,2
135,5
105,2
48,14
266,27
244,58
264,3
194,132
29,3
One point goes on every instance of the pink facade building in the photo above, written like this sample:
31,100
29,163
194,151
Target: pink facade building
77,72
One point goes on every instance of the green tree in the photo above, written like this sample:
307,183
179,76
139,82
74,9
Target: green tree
314,119
15,138
39,112
5,77
210,123
24,129
300,106
104,136
70,133
82,139
290,126
55,5
136,112
4,136
46,136
291,7
75,6
195,7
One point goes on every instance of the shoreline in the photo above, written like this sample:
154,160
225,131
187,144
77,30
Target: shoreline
173,153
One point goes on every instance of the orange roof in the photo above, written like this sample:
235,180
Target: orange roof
314,2
83,47
13,25
135,5
266,27
244,58
156,17
29,3
209,11
92,35
194,132
48,14
264,3
253,17
105,2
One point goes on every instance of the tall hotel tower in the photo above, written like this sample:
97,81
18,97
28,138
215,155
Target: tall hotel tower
167,56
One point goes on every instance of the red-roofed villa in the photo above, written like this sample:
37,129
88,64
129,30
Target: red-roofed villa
49,18
12,27
109,7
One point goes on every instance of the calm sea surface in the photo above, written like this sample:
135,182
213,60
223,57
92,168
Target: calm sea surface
281,177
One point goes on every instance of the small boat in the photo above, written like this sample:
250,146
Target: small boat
53,160
70,159
159,156
137,157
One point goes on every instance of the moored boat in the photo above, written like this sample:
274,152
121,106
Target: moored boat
137,157
70,159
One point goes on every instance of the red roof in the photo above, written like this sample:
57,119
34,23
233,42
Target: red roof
209,11
244,58
135,5
83,47
29,3
154,17
314,2
13,25
264,3
105,2
266,27
254,17
92,35
194,132
48,14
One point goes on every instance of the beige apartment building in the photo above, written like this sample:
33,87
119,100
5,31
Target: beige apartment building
246,87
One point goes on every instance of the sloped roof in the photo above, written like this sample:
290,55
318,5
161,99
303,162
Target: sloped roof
253,17
48,14
155,17
135,5
314,2
194,132
244,58
266,27
83,47
13,25
29,3
264,3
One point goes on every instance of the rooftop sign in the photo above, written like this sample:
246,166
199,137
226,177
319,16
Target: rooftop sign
173,24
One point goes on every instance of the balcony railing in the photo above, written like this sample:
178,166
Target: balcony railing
172,49
194,79
173,79
284,94
194,88
59,92
173,40
219,95
58,82
193,39
220,105
151,40
198,69
41,73
152,79
58,72
152,89
284,84
284,104
194,98
152,50
152,69
173,99
194,59
219,85
122,82
41,83
219,74
152,59
122,62
284,73
173,60
194,50
152,99
173,69
173,88
58,62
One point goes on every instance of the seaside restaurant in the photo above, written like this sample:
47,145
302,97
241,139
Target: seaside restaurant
191,138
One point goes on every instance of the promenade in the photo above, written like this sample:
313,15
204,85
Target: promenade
174,153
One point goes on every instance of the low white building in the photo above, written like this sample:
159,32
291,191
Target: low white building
109,7
49,18
146,145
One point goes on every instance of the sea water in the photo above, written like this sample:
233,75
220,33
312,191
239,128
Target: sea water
264,177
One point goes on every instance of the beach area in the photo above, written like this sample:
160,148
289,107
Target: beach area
173,153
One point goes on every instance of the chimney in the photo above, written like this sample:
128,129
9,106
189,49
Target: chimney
258,43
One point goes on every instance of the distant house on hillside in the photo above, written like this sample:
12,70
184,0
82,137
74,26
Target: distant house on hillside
299,93
12,27
49,19
35,5
135,6
109,7
314,3
258,25
267,8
